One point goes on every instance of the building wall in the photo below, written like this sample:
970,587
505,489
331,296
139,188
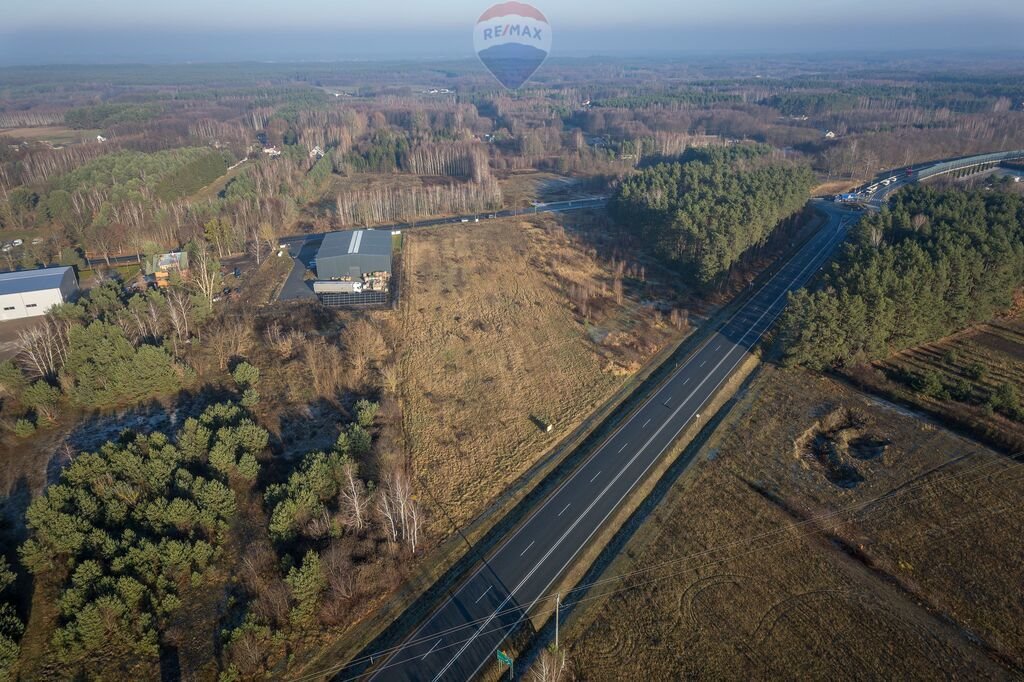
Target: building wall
35,303
68,286
29,304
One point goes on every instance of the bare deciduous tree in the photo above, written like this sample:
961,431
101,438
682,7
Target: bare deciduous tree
179,310
354,500
396,504
389,373
365,346
43,349
549,667
204,271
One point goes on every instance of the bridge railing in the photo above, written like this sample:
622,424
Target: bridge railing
967,162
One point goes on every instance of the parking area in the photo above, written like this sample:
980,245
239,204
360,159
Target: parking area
296,287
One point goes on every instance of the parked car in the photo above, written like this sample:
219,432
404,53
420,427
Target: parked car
17,242
237,272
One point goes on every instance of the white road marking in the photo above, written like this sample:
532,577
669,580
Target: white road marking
718,346
645,424
527,548
431,649
595,477
482,595
829,246
564,508
687,381
622,448
703,362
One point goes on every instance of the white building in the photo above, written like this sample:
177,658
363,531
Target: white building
28,293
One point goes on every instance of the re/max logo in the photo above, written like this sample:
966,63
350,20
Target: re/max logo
512,30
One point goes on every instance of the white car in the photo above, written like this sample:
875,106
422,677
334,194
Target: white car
17,242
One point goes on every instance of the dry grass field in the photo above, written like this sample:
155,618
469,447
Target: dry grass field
519,188
960,380
52,134
491,349
821,535
833,187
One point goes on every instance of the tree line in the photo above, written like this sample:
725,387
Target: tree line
931,263
706,211
105,115
109,348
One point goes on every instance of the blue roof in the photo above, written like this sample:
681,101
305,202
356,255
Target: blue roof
24,281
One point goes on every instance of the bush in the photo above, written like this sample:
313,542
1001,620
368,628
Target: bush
975,371
929,383
12,381
1006,400
23,428
250,398
43,398
246,375
366,411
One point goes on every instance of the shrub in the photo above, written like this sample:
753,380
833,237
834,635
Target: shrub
12,381
43,398
23,428
975,371
929,383
366,411
246,375
250,398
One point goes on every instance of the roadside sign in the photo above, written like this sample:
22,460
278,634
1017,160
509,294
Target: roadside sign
504,658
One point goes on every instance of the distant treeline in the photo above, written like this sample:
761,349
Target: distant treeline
707,210
933,263
106,115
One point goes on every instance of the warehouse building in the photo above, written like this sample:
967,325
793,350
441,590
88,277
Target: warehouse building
349,256
28,293
354,268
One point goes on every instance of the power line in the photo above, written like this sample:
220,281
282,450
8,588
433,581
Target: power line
602,595
920,481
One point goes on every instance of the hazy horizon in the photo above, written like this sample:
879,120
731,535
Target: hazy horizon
117,31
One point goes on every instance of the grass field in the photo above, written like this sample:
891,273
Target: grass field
521,187
820,535
491,351
51,134
961,380
833,187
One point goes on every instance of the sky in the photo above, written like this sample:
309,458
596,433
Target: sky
63,31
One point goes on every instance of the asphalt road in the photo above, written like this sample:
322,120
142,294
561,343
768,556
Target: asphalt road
463,634
303,248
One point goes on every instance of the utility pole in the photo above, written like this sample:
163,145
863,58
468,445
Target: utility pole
558,605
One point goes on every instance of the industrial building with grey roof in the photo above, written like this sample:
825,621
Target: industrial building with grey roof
350,255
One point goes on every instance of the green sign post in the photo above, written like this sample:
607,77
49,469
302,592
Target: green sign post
506,660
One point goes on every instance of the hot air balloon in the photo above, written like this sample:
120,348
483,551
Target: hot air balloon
512,40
